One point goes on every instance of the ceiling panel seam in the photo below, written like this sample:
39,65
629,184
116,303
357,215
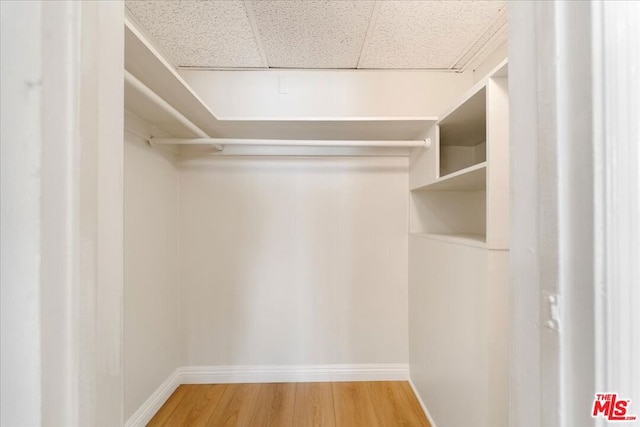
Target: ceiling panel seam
256,33
497,40
370,29
456,65
488,46
316,35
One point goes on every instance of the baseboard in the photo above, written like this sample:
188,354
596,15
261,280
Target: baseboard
149,408
424,407
264,374
292,373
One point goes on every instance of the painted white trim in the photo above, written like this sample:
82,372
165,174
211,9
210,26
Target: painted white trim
98,219
267,374
292,373
615,71
148,409
422,404
60,290
575,201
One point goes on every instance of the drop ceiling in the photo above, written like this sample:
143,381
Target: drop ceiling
333,34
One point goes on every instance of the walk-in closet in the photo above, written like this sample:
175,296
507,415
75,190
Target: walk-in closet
332,213
292,223
305,204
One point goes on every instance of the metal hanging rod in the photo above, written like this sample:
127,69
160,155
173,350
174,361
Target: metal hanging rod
153,97
424,143
218,143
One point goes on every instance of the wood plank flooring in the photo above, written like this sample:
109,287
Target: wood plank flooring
340,404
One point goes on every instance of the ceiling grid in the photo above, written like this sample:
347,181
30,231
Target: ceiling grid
256,32
491,32
370,29
495,42
312,33
324,34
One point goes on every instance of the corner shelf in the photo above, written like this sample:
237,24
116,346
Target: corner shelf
453,196
472,178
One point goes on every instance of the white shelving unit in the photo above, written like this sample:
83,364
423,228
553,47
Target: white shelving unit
459,245
154,91
471,178
463,135
461,187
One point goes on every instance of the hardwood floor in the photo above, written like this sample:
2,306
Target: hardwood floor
342,404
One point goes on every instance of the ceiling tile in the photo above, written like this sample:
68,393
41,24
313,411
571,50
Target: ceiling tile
312,34
200,33
431,34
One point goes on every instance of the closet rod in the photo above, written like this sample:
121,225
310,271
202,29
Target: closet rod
153,97
424,143
218,143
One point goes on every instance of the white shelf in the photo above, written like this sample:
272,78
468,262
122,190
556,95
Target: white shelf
501,70
474,240
148,66
145,63
379,128
450,198
472,178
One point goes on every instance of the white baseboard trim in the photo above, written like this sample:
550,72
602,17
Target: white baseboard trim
148,409
424,407
265,374
292,373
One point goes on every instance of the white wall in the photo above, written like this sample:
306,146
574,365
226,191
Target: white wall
20,213
61,213
293,260
447,334
332,93
498,300
151,300
100,284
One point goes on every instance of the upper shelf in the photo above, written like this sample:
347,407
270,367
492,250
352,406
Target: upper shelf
148,66
327,129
